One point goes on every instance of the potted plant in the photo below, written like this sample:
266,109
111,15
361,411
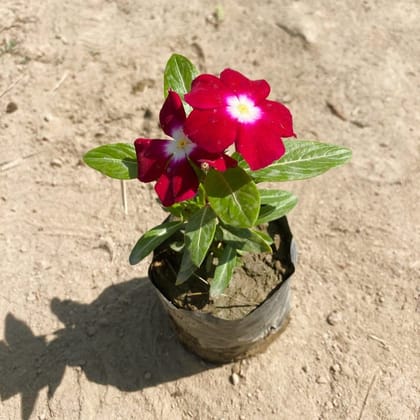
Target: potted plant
223,258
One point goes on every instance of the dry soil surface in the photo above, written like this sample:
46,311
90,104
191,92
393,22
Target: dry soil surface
82,333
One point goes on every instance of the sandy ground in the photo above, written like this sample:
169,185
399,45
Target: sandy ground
82,334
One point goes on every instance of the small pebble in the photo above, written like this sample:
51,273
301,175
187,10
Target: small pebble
31,298
56,163
347,371
234,379
335,368
334,318
236,368
287,98
147,375
321,380
44,265
11,107
328,405
90,330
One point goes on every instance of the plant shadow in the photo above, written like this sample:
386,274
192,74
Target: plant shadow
123,339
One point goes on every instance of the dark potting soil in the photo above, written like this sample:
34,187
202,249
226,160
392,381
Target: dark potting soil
257,276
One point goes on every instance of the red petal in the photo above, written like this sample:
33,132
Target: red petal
216,161
259,144
212,130
178,183
151,158
279,116
238,84
207,91
172,115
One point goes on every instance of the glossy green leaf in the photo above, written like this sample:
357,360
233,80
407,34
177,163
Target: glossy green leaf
178,75
153,238
185,209
244,239
199,234
116,160
224,271
303,159
233,196
275,204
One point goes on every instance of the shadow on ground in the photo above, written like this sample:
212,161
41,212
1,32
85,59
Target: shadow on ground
122,339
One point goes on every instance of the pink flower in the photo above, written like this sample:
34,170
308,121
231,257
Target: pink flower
169,161
233,109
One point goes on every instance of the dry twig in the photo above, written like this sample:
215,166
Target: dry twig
379,340
124,197
5,166
60,82
367,395
10,87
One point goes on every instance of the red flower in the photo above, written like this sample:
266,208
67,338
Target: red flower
168,161
234,109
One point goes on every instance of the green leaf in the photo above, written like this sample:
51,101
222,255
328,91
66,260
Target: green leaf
275,204
178,75
199,234
244,239
116,160
151,239
184,209
233,196
224,271
303,159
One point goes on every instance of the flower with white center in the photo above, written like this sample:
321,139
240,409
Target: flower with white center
168,162
181,147
231,109
243,109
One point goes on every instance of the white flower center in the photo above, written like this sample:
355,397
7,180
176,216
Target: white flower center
180,147
243,109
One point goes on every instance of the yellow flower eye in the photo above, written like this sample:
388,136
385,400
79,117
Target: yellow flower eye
243,109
